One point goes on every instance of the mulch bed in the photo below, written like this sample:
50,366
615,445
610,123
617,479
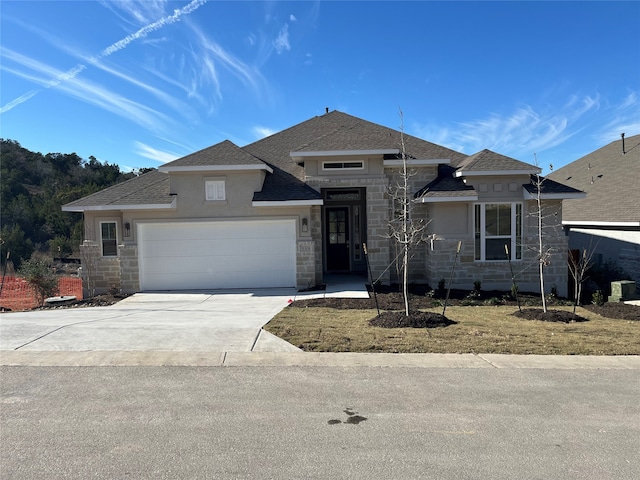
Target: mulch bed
398,319
561,316
616,310
96,301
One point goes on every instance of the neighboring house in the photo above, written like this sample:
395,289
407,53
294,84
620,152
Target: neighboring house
285,210
607,221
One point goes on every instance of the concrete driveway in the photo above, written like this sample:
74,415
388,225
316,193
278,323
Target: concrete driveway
220,321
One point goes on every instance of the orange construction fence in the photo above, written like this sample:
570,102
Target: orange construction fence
18,295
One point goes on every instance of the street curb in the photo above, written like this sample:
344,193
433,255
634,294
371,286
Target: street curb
312,359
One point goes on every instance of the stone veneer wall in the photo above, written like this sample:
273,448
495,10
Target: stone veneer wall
105,271
316,236
377,218
497,275
129,272
305,263
419,177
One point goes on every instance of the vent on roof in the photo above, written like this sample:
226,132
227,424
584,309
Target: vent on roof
623,151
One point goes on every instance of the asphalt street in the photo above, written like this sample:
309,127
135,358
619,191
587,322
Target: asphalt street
317,422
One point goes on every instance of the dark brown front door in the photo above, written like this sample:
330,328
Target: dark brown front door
337,238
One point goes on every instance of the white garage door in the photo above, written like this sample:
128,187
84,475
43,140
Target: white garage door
215,255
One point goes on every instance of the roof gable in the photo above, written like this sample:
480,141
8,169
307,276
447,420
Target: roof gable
487,162
223,155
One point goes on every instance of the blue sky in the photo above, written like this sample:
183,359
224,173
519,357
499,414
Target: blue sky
139,83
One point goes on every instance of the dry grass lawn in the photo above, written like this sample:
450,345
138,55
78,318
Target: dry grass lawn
479,330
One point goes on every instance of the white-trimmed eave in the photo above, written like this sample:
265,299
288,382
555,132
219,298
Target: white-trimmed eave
100,208
214,168
491,173
468,198
415,162
344,153
553,196
587,223
286,203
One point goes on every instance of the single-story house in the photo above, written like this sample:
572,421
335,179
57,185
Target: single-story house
294,206
607,221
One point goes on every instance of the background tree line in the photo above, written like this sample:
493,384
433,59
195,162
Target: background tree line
33,187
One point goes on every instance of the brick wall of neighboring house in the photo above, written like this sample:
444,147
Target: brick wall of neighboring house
18,295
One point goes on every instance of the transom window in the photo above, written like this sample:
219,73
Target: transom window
343,165
108,237
498,225
215,190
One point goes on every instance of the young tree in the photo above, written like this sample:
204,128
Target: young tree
578,267
404,230
542,249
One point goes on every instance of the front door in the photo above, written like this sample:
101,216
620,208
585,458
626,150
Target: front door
337,238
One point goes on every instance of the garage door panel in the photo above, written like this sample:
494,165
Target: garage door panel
208,255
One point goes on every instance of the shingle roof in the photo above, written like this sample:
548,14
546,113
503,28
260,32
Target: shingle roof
221,154
151,188
488,161
445,186
340,131
548,187
611,180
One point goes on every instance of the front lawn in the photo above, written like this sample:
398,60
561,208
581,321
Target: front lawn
479,329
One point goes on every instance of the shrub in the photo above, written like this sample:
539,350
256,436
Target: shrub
38,273
60,247
597,298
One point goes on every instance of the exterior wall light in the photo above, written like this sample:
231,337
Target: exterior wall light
127,229
305,224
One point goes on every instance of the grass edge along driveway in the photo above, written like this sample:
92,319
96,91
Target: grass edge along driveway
480,329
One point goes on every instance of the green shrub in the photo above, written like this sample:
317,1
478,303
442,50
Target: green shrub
597,298
39,274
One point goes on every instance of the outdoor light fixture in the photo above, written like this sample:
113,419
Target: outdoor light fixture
305,224
127,229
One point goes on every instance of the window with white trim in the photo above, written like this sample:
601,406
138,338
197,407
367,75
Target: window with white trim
496,226
109,239
215,190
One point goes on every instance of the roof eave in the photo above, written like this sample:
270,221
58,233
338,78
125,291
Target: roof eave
468,198
285,203
527,195
576,223
101,208
493,173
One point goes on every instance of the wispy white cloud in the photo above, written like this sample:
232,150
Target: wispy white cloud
624,118
119,45
281,43
261,132
292,18
152,153
522,132
142,11
152,27
17,101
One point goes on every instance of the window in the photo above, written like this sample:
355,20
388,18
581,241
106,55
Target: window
109,239
214,190
343,165
497,225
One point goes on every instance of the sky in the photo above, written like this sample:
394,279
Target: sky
141,83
